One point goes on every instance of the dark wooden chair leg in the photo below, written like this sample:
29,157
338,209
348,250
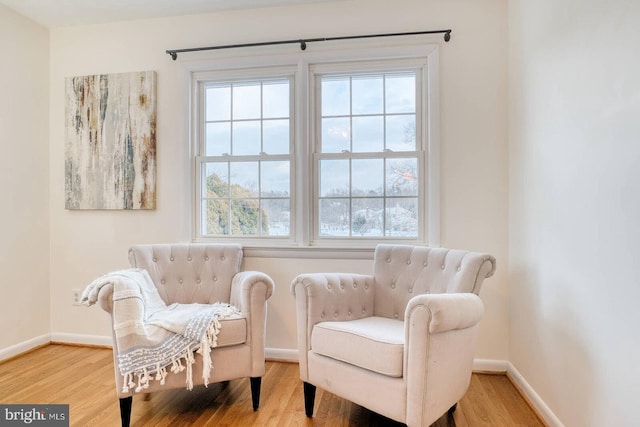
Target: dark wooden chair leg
309,398
452,409
125,410
255,391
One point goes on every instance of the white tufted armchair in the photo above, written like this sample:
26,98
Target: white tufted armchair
400,342
206,273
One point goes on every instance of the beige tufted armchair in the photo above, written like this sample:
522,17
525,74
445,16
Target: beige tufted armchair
400,342
206,273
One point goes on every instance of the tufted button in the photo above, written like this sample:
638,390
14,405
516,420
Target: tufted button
459,268
442,266
215,278
364,311
349,313
388,259
180,281
206,258
162,281
393,286
427,292
396,315
355,285
335,314
341,286
171,259
189,259
410,290
222,257
155,260
426,264
409,262
328,285
322,315
197,280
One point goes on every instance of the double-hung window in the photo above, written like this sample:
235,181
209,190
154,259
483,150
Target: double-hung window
244,159
368,155
317,150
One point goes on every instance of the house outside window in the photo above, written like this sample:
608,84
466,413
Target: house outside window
317,150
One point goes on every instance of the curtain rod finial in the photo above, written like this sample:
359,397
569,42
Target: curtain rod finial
447,35
303,45
173,53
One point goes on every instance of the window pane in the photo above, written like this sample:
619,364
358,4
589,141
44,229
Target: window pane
367,95
367,217
245,217
246,138
246,101
401,133
215,182
215,217
275,136
244,179
278,217
218,139
275,100
400,93
275,179
334,178
334,217
336,135
367,178
335,96
402,217
218,99
402,177
368,134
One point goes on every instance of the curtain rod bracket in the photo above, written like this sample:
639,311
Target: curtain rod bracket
447,36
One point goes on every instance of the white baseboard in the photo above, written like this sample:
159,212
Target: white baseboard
490,365
65,338
14,350
281,354
534,399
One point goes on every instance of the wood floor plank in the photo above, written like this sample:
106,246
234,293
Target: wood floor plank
84,379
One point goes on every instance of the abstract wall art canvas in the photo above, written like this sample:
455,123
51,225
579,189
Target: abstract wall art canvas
110,146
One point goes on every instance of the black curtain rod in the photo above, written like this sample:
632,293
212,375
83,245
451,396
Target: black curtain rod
303,42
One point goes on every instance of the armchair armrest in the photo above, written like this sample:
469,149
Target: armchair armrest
105,298
250,291
250,287
446,311
440,339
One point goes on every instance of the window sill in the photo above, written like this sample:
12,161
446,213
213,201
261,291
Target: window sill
307,252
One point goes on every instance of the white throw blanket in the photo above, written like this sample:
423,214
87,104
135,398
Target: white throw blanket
152,336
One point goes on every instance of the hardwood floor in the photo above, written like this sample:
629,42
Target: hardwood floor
84,378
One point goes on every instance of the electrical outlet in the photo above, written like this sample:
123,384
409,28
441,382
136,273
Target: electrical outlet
76,293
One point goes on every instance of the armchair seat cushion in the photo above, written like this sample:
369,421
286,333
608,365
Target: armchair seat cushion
232,332
373,343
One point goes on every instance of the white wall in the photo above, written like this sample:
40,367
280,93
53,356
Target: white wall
574,206
24,167
85,244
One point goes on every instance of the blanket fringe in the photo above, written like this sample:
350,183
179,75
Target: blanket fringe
208,342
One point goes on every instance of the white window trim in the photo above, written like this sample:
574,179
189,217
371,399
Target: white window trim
282,58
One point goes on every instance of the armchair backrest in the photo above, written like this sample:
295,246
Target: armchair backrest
189,272
402,272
